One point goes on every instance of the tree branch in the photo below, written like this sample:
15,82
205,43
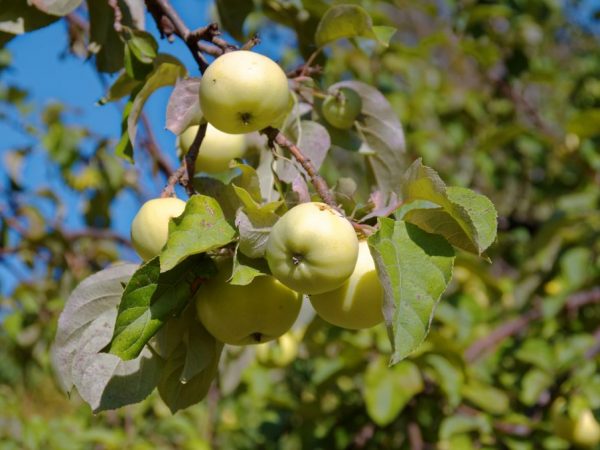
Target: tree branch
317,181
512,327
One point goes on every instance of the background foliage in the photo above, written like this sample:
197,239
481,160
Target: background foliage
502,98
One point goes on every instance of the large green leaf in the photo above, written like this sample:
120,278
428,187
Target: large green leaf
191,366
382,136
151,298
167,70
202,227
468,220
232,14
414,268
347,21
85,327
389,389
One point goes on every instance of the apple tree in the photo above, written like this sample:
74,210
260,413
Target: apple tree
296,257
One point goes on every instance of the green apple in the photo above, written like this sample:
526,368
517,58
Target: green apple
150,226
358,302
341,108
586,432
244,91
280,352
312,248
240,315
217,149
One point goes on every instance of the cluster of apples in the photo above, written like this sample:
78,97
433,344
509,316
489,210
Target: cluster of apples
312,250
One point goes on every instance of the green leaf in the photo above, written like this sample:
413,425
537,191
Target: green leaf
382,136
389,389
18,17
414,268
56,7
585,123
140,52
232,14
461,424
105,42
347,21
151,298
167,70
466,219
201,228
449,378
123,85
486,397
124,147
245,269
85,327
176,388
533,385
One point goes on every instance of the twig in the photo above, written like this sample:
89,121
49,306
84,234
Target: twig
118,26
151,145
185,174
415,436
514,326
317,181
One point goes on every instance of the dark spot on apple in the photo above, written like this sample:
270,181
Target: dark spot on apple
246,118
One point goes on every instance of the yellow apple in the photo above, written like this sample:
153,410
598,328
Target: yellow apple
358,302
240,315
579,427
150,226
341,108
312,248
244,91
217,149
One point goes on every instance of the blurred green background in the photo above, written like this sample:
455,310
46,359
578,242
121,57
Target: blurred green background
501,97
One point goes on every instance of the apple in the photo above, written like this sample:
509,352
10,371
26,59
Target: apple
586,432
241,315
358,302
312,248
575,424
150,226
341,108
217,148
244,91
280,352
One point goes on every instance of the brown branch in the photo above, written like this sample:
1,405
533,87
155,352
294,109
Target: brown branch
96,233
118,26
185,174
317,181
512,327
415,437
151,145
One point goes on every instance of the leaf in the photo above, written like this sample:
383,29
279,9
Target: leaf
466,219
105,42
414,268
178,391
449,378
533,385
124,147
486,397
167,70
245,270
232,14
313,139
123,85
140,52
389,389
201,228
19,17
382,136
183,108
347,21
585,123
56,7
151,298
84,328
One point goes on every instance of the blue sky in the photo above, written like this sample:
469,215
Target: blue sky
39,68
